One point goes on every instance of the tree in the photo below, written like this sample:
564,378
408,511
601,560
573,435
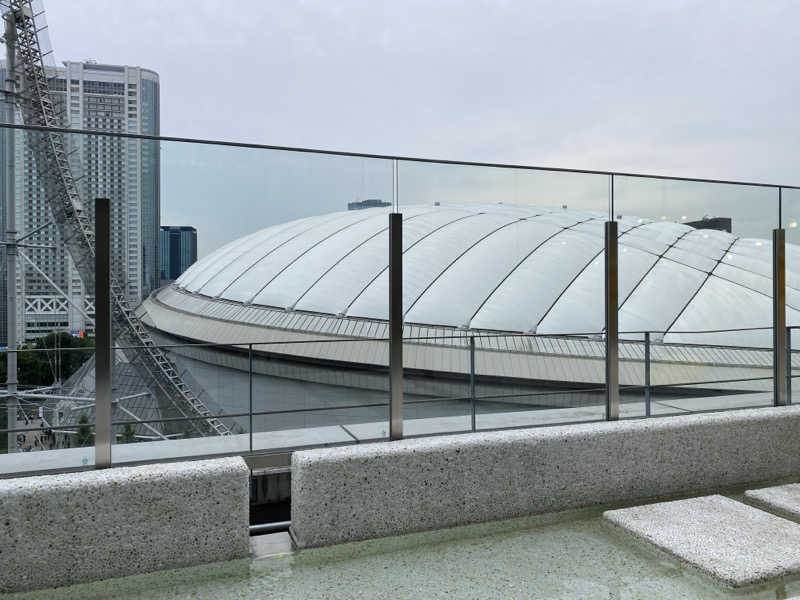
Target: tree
128,435
84,437
39,368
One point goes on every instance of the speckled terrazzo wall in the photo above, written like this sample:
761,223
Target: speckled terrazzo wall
391,488
62,529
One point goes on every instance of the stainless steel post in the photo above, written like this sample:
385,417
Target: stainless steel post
11,233
779,315
612,328
472,376
396,326
647,374
103,341
788,365
250,382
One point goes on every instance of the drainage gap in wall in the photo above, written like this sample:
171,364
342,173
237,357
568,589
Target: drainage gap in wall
270,500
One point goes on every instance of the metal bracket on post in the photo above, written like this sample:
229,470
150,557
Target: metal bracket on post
103,341
396,326
612,322
779,315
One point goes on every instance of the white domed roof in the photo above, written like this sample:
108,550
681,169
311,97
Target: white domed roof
503,267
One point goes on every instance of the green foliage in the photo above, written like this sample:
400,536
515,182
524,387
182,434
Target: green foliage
84,437
39,368
128,435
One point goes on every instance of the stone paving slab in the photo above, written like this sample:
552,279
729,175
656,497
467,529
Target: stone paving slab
783,500
736,544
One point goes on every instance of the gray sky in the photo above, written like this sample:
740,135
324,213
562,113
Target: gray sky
701,88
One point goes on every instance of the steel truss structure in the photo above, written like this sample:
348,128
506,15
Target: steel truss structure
73,222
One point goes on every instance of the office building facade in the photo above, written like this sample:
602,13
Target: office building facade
369,203
102,98
178,247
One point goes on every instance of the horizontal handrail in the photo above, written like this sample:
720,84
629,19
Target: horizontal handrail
418,159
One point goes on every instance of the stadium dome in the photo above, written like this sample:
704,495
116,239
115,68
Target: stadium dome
515,268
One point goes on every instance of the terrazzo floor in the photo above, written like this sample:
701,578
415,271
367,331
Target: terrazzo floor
571,555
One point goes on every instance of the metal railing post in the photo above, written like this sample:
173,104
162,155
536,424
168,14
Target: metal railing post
647,374
103,341
788,365
11,236
250,383
612,321
472,376
779,315
396,326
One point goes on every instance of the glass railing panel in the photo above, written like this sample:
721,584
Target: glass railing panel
149,420
431,183
436,381
317,390
288,242
701,286
49,422
790,218
499,251
534,380
284,241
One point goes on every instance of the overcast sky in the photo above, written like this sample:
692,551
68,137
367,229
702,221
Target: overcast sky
700,88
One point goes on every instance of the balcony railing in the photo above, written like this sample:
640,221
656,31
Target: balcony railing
597,295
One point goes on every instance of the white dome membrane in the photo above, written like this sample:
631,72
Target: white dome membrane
518,268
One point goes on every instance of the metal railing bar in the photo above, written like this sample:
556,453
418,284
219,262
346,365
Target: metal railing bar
244,344
418,159
708,382
553,392
56,429
70,427
274,527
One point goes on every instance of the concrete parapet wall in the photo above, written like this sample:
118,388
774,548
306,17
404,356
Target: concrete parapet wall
58,530
391,488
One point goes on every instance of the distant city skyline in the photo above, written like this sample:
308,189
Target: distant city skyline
178,248
98,97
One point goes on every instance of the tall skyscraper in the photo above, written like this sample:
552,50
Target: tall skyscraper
178,250
95,97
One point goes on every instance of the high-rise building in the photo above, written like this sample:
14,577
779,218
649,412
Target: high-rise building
178,250
368,203
95,97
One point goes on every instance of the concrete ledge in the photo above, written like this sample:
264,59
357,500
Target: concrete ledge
734,543
59,530
373,490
